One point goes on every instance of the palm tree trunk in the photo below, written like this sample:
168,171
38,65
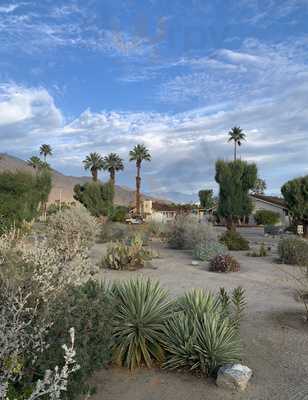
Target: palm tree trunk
138,185
94,174
112,177
234,150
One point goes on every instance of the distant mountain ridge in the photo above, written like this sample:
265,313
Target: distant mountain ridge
63,186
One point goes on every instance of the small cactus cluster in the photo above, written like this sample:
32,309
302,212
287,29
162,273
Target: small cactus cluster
122,256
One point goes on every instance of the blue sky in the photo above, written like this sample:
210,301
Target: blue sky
175,75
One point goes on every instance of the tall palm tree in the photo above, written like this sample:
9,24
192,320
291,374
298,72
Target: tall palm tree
139,153
94,162
45,150
35,162
113,163
237,135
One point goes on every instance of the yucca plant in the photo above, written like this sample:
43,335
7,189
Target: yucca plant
217,342
197,302
180,341
203,332
141,312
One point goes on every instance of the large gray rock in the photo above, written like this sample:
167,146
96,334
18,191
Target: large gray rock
233,377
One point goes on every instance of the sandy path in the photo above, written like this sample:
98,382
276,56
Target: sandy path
275,337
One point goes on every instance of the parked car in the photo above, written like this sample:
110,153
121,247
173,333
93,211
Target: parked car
134,220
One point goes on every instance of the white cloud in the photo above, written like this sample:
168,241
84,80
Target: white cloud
8,8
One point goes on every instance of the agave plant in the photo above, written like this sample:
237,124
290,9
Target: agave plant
142,310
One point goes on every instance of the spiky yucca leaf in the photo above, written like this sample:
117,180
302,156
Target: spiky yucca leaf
218,341
180,339
197,302
142,309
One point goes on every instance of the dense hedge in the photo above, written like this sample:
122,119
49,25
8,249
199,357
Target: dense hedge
266,217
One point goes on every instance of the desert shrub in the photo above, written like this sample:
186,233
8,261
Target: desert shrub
293,250
21,195
234,241
158,229
202,333
261,252
186,232
142,308
205,252
22,341
71,231
56,207
118,214
224,263
96,197
122,256
266,217
114,231
89,309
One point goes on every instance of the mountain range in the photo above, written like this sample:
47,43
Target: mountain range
63,186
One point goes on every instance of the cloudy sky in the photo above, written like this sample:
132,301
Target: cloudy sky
104,75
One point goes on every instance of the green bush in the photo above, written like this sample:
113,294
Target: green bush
21,195
118,214
202,333
96,197
121,256
293,250
142,308
224,263
89,309
266,217
208,251
234,241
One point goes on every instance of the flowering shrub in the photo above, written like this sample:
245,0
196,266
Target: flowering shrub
224,263
71,231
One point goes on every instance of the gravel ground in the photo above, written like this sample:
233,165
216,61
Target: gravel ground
274,334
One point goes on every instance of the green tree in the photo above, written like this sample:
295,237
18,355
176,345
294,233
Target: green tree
35,162
113,163
206,199
260,186
236,135
94,162
295,193
235,179
21,195
96,197
45,150
139,153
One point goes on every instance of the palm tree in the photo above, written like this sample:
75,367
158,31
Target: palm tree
113,163
94,162
138,154
35,162
237,135
45,150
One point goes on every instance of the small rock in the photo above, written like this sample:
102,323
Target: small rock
195,263
233,377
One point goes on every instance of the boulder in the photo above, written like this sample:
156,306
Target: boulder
233,377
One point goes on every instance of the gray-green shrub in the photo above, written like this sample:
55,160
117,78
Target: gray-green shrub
206,251
293,250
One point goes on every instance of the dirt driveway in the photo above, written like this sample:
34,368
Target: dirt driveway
274,334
